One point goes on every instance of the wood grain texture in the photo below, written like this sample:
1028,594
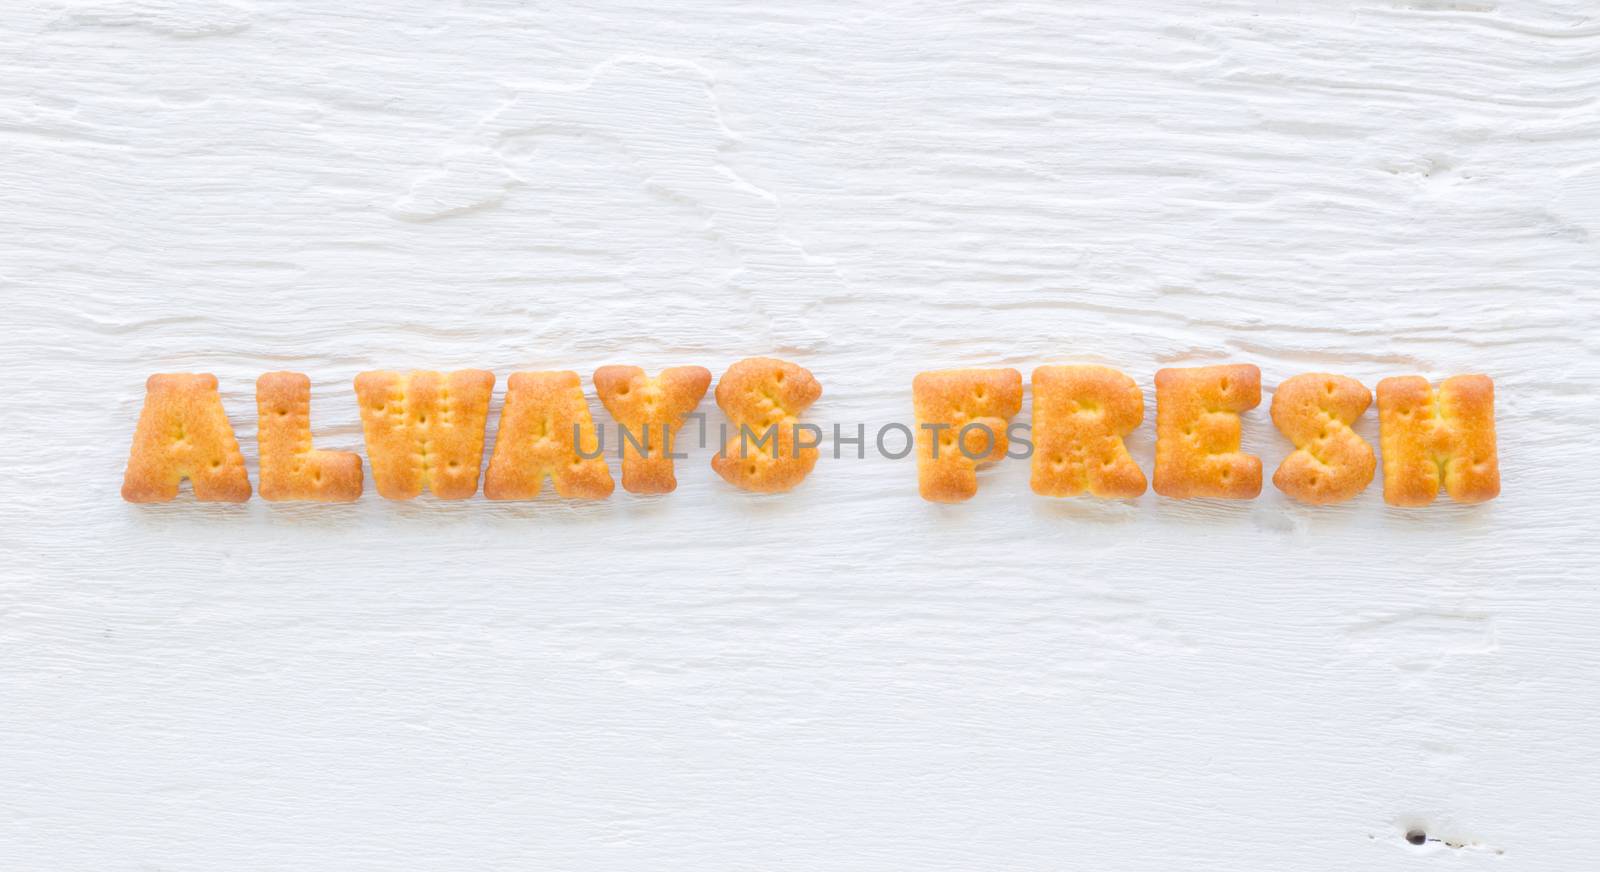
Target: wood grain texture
842,677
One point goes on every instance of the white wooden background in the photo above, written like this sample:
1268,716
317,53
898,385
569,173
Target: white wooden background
844,677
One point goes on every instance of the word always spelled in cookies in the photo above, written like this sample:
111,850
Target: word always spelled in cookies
962,418
545,430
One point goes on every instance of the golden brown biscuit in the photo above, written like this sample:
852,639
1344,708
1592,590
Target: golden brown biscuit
1431,437
291,469
1198,428
544,425
183,432
425,429
763,399
652,410
962,415
1330,463
1080,416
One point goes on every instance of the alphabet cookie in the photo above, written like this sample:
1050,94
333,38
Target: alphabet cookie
1432,438
183,432
651,410
1330,463
1080,416
543,427
425,430
962,415
763,399
291,469
1198,432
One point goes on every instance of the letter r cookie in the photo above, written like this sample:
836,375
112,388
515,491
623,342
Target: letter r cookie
1080,416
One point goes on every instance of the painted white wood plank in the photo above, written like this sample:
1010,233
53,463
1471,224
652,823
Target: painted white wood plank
842,677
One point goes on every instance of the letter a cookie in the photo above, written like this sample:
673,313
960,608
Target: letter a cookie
183,432
543,428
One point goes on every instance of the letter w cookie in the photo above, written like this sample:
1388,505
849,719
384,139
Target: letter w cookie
425,430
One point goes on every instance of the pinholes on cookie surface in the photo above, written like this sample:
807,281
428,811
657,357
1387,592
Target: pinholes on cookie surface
1330,463
1198,432
291,468
543,427
763,399
1081,414
966,412
650,409
424,430
1438,438
183,433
